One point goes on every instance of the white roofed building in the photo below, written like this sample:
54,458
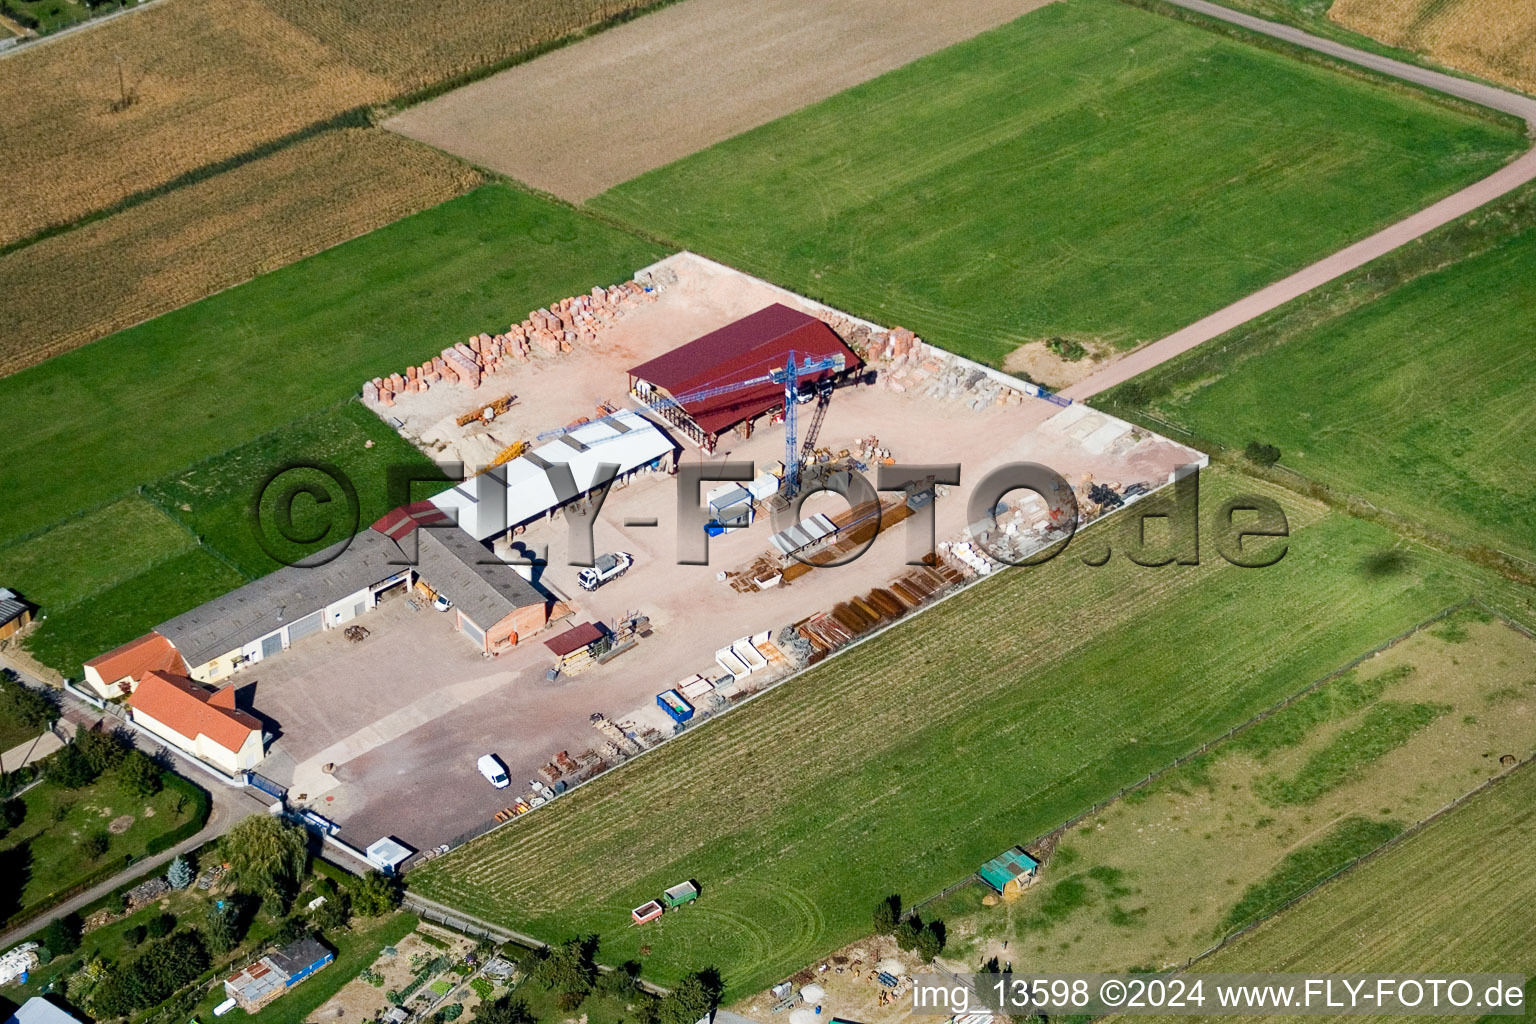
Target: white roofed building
534,484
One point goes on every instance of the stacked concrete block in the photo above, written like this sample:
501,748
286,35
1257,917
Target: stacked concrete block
560,327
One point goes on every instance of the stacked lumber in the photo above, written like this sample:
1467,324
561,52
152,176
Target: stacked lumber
553,329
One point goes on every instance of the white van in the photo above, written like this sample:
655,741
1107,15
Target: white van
494,771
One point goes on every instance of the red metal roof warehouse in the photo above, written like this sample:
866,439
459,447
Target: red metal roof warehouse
740,351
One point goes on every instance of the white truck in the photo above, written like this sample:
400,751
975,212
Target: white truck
605,568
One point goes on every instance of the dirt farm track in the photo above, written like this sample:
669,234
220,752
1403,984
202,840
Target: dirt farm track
587,117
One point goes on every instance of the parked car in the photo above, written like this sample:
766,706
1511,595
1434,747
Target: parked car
441,603
605,568
494,771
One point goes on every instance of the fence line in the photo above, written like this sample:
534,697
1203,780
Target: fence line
1224,737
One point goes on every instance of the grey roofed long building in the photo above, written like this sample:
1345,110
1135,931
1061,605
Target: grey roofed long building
256,609
484,588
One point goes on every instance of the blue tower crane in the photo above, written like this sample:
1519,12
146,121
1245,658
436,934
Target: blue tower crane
796,365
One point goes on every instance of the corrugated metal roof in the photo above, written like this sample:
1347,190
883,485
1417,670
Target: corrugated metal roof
1007,866
505,496
740,351
466,572
10,609
575,638
285,596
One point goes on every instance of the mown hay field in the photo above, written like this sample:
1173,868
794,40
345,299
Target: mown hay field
438,39
1493,39
64,291
1090,170
1229,837
905,763
1453,897
1417,400
211,79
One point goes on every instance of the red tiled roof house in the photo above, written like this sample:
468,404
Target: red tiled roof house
204,723
119,671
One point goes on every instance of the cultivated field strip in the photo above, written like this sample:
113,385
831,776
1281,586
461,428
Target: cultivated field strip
73,288
208,80
904,762
1493,39
439,39
1401,910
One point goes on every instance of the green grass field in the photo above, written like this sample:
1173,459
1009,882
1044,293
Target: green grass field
197,407
1090,170
43,855
1160,876
1418,400
905,763
147,402
98,550
1454,897
215,499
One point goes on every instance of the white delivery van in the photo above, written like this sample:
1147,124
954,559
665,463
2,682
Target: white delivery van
494,771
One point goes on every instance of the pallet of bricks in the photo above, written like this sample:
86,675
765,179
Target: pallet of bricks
554,329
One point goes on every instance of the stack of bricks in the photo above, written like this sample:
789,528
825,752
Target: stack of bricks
560,327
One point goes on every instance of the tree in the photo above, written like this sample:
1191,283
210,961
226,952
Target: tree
95,844
179,874
887,914
104,749
1261,454
221,932
267,855
907,932
156,971
696,995
451,1012
138,775
569,969
506,1010
377,893
63,934
69,767
930,941
29,708
334,913
12,813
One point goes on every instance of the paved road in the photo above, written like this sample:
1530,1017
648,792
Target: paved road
1506,179
230,806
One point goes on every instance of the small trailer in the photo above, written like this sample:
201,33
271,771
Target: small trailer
680,894
674,705
647,912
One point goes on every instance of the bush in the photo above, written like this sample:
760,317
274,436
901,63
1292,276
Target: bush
377,893
96,844
1067,349
160,926
134,936
152,976
1261,454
